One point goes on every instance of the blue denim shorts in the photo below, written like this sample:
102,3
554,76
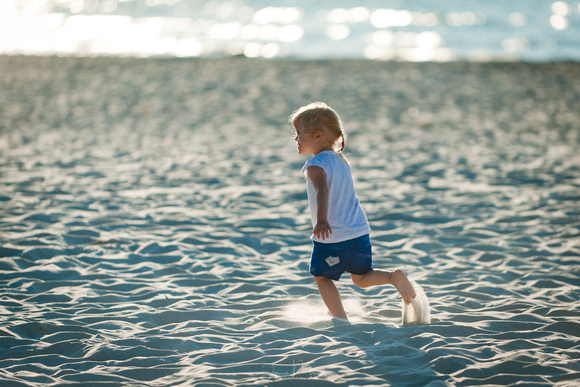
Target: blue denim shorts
330,260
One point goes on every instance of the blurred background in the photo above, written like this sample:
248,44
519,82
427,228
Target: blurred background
473,30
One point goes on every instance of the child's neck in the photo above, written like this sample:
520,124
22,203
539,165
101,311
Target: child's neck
328,148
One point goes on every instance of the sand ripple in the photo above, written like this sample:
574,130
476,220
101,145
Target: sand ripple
154,228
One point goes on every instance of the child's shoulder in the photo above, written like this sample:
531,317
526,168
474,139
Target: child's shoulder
322,160
327,155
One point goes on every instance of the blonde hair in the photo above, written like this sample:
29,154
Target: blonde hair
320,116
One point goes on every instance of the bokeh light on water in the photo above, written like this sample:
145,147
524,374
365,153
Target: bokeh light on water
533,30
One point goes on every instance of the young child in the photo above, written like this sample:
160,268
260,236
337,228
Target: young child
341,230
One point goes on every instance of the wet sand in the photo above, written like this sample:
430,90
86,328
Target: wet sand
154,224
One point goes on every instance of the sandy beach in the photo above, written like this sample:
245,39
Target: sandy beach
154,225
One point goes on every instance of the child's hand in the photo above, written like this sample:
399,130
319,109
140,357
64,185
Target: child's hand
322,230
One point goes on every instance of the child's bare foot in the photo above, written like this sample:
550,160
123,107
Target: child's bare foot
401,282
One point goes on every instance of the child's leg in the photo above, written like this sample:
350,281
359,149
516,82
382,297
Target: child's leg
331,297
379,277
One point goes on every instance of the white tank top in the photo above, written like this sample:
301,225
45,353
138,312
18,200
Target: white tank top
345,215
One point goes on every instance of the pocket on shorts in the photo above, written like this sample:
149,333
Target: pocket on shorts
328,258
327,261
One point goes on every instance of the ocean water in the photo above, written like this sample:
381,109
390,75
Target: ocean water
526,30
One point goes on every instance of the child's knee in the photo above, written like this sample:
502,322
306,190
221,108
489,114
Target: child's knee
358,280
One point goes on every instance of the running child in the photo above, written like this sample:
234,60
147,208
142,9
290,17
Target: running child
341,230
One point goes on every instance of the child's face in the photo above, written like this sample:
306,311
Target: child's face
306,141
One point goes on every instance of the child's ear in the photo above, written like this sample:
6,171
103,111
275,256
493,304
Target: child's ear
318,134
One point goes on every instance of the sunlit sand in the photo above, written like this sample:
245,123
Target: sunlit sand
154,224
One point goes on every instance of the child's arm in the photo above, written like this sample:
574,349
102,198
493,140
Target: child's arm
317,175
